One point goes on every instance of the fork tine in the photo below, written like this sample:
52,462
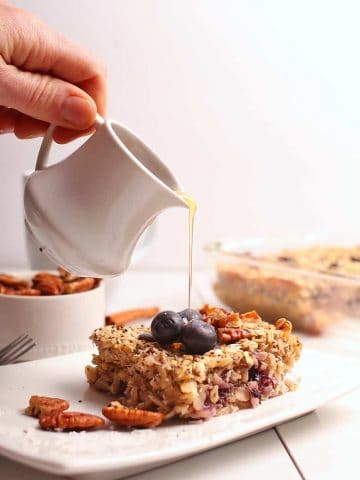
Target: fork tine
19,347
16,347
8,347
21,353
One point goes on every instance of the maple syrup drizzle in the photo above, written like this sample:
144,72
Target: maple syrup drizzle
192,209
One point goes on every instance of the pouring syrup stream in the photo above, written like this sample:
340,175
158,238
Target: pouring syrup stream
190,202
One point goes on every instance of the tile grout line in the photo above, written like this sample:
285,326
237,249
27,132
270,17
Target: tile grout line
286,448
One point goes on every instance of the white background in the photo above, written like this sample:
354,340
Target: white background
254,105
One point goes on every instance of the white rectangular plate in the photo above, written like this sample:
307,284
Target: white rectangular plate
109,454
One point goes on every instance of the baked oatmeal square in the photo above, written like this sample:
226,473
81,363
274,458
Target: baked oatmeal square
249,364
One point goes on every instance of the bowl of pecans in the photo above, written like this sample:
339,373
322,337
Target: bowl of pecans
56,309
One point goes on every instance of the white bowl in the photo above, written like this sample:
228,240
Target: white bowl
58,324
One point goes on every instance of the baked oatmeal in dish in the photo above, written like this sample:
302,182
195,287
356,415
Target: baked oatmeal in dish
313,287
248,364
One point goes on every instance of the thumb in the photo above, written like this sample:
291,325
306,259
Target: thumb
46,98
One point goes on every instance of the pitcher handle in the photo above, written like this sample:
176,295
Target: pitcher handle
44,151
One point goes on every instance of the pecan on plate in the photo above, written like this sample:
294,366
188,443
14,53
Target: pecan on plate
131,417
231,334
71,421
80,285
48,284
39,406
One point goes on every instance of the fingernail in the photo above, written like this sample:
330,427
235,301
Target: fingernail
78,111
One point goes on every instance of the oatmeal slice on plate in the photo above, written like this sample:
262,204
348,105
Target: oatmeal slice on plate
249,364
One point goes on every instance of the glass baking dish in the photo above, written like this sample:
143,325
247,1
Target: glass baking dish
256,274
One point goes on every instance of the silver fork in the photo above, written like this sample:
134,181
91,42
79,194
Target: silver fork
16,349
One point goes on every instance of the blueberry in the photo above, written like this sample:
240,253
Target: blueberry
254,374
198,336
189,314
166,327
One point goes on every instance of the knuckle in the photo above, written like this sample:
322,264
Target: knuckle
39,93
4,68
35,91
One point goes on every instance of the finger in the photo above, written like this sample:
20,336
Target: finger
28,127
97,90
64,135
40,49
7,119
46,98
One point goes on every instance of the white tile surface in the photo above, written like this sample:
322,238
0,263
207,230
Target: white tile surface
15,471
324,443
245,459
248,458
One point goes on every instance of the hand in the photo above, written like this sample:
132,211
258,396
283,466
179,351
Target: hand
45,78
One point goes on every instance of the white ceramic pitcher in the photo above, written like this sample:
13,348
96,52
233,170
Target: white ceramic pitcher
87,212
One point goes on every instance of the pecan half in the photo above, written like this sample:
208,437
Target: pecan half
29,292
39,406
7,290
283,324
131,417
48,284
231,334
71,421
66,276
80,285
121,318
21,291
252,316
13,282
219,317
